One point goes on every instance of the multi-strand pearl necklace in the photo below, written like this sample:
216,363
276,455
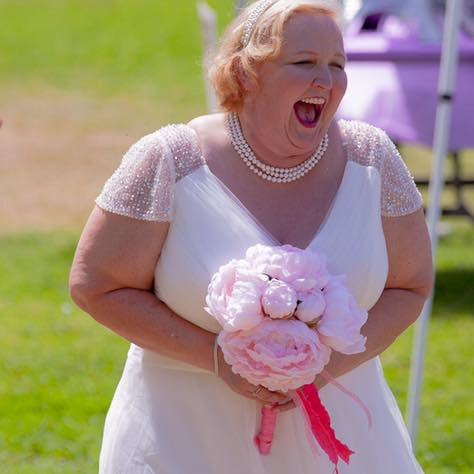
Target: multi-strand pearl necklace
268,172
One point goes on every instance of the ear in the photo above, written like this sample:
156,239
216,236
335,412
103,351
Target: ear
246,83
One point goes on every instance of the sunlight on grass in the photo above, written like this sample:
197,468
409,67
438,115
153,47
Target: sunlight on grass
98,74
145,47
61,368
445,442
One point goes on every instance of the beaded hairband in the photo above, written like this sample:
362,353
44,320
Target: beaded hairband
255,14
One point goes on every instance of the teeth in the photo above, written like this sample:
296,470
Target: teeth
314,100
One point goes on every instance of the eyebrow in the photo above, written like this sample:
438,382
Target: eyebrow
343,56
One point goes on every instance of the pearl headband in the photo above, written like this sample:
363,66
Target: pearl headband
255,14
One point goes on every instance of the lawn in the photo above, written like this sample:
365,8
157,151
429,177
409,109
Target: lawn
79,82
60,367
150,48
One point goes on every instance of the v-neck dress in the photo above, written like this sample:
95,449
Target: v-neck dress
168,417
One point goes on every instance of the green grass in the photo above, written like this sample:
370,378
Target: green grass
60,368
419,160
117,47
446,438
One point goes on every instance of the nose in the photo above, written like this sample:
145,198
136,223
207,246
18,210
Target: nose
322,78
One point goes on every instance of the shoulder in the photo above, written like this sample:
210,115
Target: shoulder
176,144
205,124
370,146
210,130
365,144
212,136
142,185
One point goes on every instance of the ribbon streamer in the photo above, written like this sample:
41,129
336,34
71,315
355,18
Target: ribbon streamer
350,394
320,425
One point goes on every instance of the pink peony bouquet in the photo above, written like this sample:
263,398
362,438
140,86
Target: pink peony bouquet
282,314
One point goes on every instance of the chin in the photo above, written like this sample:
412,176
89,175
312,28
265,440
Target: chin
315,133
307,138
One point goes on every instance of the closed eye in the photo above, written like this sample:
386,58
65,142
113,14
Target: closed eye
303,62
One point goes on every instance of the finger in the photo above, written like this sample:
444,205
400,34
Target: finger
264,395
267,396
287,406
259,392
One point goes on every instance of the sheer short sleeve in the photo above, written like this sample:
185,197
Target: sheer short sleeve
371,146
142,187
400,195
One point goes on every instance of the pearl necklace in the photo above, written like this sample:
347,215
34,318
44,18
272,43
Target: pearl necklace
268,172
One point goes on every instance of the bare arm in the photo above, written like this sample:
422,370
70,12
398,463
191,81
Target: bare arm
112,280
408,285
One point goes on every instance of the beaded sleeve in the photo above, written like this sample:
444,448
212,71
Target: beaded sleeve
142,187
370,146
400,195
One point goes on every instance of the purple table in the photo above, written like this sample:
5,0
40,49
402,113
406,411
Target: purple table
392,83
393,78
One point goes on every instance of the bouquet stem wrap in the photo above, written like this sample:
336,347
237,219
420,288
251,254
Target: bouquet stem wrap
264,438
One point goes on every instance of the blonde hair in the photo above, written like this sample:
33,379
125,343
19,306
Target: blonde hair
266,40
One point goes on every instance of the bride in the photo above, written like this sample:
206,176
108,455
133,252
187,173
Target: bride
274,168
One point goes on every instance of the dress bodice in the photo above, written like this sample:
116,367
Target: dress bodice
211,226
165,177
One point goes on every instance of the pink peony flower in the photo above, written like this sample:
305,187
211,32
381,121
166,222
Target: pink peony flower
311,306
234,296
305,285
304,270
342,320
265,259
280,355
279,300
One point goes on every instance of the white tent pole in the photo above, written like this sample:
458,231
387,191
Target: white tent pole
239,4
208,19
447,77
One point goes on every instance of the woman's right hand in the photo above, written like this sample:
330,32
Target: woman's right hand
255,392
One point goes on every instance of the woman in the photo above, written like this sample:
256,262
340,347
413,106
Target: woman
188,198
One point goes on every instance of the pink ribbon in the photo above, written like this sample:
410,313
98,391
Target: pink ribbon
317,419
264,438
320,424
350,394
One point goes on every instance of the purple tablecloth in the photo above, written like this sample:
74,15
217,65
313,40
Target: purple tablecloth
393,78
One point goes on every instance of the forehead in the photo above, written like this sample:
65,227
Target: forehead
312,32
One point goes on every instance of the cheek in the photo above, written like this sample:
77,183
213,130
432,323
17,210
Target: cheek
303,77
340,83
296,77
277,87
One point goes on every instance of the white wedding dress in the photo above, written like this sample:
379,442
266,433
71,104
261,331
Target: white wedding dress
168,417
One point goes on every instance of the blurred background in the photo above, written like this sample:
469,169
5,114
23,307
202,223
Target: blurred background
80,81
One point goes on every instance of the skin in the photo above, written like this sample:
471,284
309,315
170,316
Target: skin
113,269
311,64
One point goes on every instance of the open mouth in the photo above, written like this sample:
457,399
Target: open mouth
308,111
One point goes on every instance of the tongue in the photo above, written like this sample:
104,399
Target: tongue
305,112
